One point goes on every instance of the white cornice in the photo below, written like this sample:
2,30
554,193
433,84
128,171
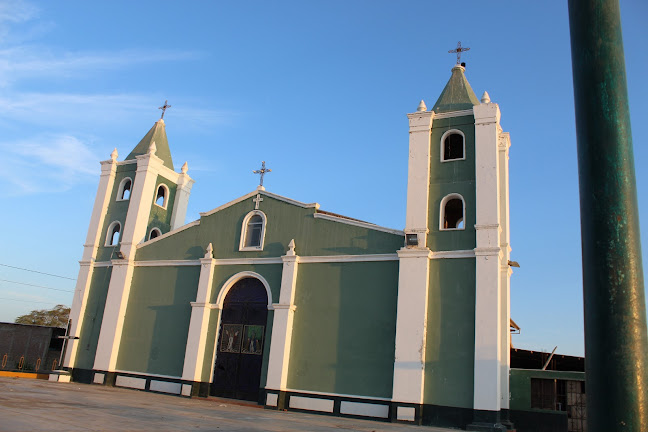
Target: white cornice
257,261
357,223
167,263
127,162
262,192
452,254
347,258
454,114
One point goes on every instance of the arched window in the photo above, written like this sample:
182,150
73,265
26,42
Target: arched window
124,191
112,236
253,231
162,196
453,146
155,232
453,212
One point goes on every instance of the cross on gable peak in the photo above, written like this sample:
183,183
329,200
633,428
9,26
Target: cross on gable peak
262,172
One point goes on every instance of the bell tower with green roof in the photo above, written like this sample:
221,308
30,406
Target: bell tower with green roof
138,199
452,343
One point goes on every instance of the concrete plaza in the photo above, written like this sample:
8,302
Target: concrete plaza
39,405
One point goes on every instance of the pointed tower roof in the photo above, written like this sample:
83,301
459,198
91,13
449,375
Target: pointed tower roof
156,135
457,94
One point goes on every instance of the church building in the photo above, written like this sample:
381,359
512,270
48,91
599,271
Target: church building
277,301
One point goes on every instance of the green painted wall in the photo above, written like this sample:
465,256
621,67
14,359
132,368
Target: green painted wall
116,210
520,385
89,336
160,217
344,328
450,347
157,319
452,177
284,222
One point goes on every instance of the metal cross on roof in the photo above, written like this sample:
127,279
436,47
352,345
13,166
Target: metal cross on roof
164,108
262,171
458,50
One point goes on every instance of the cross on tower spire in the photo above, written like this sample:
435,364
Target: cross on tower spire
458,50
164,108
262,172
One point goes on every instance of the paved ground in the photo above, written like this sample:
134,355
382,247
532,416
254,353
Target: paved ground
37,405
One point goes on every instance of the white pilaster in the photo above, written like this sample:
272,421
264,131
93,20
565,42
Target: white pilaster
279,359
185,183
504,144
141,200
93,239
198,326
488,302
411,325
113,317
418,174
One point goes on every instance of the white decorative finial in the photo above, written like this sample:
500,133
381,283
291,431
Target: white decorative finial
485,98
209,251
291,248
152,148
184,168
421,106
114,154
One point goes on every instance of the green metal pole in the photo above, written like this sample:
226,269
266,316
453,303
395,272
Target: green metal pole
616,341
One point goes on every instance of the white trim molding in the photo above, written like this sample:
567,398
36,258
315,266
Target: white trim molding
109,237
199,322
452,114
411,318
245,232
470,253
442,145
165,201
120,190
282,325
357,223
237,277
347,258
148,237
442,209
254,194
170,233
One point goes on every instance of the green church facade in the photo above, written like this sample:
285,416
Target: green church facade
269,299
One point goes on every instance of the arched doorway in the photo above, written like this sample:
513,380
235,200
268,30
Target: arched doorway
239,353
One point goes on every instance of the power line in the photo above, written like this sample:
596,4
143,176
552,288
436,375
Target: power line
37,286
36,271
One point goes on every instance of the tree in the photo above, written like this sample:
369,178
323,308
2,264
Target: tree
55,317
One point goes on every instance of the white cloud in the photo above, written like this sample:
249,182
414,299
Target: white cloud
89,112
45,163
29,62
16,11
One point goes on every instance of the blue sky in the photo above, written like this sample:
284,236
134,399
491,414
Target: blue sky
319,90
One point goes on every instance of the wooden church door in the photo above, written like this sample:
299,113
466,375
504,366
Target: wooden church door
239,355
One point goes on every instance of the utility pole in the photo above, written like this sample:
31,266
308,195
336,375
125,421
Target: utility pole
616,341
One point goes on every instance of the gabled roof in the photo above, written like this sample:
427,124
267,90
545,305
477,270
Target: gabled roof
321,214
158,135
457,94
